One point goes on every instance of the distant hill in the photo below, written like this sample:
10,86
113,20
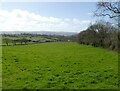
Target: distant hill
39,32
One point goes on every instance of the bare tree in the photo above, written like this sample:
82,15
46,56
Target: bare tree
111,9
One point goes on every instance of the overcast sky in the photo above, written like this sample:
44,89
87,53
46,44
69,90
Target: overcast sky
44,16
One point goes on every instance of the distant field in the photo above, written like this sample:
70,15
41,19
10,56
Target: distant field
59,65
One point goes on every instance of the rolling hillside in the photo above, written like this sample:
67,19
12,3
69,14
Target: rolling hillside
60,65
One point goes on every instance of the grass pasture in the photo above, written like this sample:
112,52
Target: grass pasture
60,65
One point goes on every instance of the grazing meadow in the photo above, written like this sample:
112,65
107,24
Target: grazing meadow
59,65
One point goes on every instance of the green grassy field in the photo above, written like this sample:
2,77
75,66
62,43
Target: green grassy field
60,65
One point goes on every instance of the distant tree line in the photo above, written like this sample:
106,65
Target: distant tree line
21,41
25,38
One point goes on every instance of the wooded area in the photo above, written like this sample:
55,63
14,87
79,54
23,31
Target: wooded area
103,33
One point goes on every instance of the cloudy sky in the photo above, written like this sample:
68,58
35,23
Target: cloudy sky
46,16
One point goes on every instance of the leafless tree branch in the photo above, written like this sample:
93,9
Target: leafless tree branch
110,9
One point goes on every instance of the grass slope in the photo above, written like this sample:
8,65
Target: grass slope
59,66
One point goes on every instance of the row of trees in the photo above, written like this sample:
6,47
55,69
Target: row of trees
101,34
15,39
7,41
